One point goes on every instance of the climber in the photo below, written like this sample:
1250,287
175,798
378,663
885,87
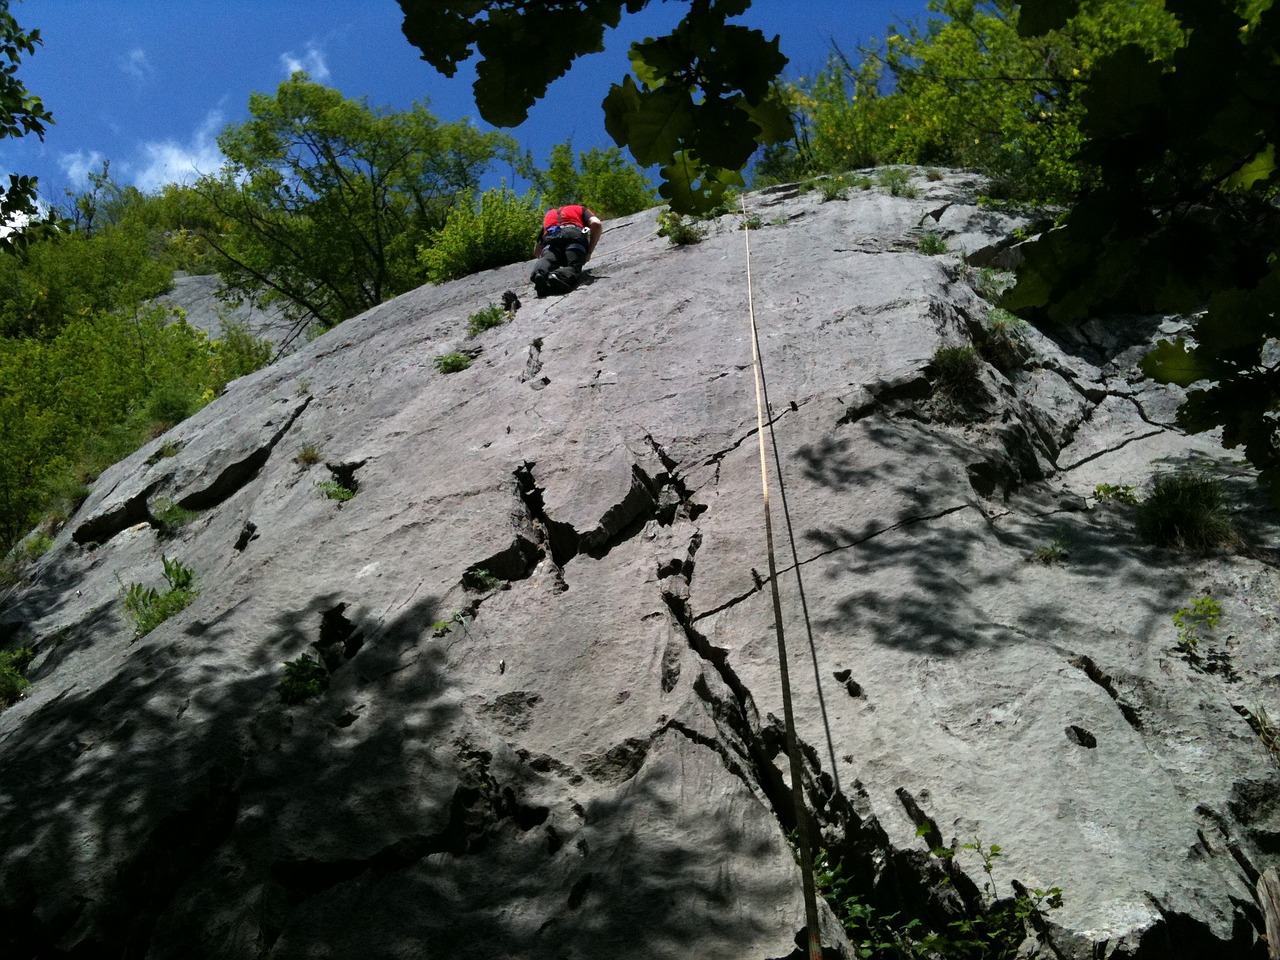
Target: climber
566,241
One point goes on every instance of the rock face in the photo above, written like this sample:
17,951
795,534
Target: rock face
552,722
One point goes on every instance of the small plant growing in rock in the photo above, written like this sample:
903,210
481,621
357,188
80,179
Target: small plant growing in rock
335,490
1186,510
1116,493
308,455
752,221
305,678
990,284
932,175
13,682
167,449
679,231
480,579
453,362
482,320
1055,551
832,188
996,929
441,627
1001,927
170,517
1196,623
1267,732
36,546
932,244
149,607
896,182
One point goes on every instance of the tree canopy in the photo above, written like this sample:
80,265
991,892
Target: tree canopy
324,200
969,90
1183,217
699,103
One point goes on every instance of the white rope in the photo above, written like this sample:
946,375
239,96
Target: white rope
793,750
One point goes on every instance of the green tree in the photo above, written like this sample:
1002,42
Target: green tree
75,274
21,113
76,402
970,91
325,200
1183,217
603,180
699,102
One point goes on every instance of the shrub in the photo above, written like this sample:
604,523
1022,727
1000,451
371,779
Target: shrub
500,230
1185,509
1003,340
171,403
932,243
679,231
453,362
36,546
608,183
832,188
13,663
896,182
237,353
955,370
304,679
482,320
150,608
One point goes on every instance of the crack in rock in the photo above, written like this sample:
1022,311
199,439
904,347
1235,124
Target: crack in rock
533,365
101,527
664,498
238,474
1094,673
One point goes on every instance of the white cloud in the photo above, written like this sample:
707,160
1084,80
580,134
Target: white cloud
167,161
312,63
136,64
77,166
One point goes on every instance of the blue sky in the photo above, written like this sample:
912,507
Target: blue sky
149,84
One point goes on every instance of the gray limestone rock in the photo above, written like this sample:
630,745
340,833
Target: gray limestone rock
552,722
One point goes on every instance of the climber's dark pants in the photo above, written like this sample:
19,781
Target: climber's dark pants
563,255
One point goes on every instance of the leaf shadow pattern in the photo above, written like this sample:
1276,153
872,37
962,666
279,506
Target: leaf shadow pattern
914,576
163,761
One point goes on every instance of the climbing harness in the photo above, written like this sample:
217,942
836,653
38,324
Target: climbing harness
793,751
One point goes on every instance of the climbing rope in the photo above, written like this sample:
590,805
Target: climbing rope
793,750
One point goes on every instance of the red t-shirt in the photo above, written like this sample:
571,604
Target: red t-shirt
575,214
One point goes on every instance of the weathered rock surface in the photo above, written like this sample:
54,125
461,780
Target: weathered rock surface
199,297
552,727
